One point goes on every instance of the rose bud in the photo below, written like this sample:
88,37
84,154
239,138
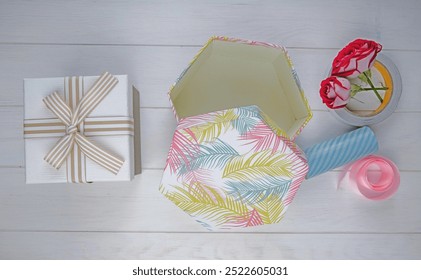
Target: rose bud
335,92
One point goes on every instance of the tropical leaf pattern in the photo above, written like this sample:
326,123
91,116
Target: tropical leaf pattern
248,118
244,125
181,150
250,219
231,169
198,175
255,165
256,191
271,209
212,155
204,201
262,138
254,219
209,131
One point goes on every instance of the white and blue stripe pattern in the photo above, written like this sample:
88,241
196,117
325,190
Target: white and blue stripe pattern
341,150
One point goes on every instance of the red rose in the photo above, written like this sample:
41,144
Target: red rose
357,57
335,91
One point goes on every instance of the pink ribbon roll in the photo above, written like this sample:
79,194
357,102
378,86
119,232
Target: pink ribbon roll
383,187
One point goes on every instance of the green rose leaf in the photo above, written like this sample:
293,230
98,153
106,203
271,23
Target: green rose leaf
363,76
355,89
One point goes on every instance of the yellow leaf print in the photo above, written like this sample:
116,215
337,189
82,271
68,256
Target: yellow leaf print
213,129
260,164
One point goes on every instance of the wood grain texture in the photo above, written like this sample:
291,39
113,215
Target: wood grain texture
153,69
138,206
158,126
152,42
114,245
329,24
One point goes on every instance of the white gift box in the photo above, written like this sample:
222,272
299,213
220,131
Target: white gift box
111,125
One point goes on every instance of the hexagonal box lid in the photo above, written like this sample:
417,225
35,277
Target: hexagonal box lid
230,73
229,169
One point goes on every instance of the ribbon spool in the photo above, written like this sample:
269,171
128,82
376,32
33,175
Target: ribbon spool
341,150
380,188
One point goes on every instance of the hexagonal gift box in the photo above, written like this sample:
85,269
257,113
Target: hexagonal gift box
229,73
229,169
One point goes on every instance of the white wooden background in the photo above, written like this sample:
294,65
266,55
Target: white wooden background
152,41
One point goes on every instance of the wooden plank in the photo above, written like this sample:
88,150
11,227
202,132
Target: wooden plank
158,126
106,245
11,135
138,206
153,69
293,23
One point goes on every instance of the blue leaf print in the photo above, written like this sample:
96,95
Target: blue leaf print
258,190
211,155
248,117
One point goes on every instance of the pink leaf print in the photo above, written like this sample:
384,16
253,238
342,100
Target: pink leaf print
182,149
263,138
255,219
198,176
250,219
300,166
189,132
196,120
203,178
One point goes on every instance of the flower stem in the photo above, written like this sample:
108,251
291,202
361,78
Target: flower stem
380,88
373,88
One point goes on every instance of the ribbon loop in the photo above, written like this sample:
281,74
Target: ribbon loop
56,104
58,154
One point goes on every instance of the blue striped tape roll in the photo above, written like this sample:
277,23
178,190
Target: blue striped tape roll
341,150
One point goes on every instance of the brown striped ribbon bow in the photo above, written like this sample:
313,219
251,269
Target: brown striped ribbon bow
72,115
